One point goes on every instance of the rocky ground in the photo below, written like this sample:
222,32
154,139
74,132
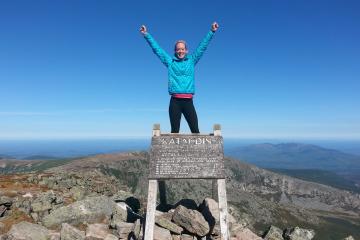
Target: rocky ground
40,207
106,195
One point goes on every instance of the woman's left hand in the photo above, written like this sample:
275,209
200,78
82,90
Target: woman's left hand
214,27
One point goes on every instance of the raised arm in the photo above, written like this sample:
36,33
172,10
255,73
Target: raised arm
204,43
164,57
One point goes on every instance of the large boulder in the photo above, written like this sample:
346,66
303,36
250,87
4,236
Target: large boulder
23,204
55,236
297,233
187,237
166,223
29,231
123,229
45,201
274,233
69,232
7,201
78,192
161,233
120,213
97,231
191,220
111,237
246,234
89,210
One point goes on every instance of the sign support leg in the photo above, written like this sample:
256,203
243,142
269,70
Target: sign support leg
150,212
223,209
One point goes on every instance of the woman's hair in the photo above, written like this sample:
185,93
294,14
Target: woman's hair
180,41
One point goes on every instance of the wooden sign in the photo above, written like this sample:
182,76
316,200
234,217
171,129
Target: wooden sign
186,156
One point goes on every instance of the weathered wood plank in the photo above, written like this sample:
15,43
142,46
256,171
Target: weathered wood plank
223,209
150,211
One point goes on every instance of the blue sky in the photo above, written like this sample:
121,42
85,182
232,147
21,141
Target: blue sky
275,69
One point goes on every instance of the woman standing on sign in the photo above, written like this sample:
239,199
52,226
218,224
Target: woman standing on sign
181,77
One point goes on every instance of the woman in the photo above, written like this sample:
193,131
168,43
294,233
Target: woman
181,84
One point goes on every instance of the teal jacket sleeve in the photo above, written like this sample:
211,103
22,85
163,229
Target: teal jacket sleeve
164,57
202,46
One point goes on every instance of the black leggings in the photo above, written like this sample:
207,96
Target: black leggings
186,107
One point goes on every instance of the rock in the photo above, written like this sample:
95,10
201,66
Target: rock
2,226
78,193
246,234
297,233
235,228
186,237
40,206
54,236
137,229
175,237
123,229
89,210
43,202
97,231
191,220
166,223
7,201
27,195
69,232
35,216
23,204
28,231
158,213
111,237
349,238
120,212
2,210
274,233
161,233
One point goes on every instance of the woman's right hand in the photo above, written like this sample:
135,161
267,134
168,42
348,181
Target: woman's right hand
143,29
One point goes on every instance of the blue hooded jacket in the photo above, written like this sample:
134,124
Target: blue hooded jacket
180,71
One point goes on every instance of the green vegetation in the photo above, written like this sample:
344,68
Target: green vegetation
124,175
339,229
50,164
320,176
29,166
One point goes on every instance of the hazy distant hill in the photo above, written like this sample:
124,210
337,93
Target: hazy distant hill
321,176
41,157
2,156
296,156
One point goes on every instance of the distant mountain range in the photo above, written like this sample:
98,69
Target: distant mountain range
296,156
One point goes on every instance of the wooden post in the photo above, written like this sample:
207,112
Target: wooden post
150,211
224,223
151,203
214,193
156,130
221,183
